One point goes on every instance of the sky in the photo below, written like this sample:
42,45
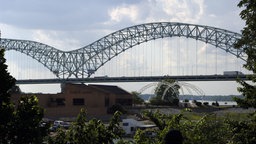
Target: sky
69,25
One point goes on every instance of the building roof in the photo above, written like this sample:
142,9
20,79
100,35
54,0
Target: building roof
110,88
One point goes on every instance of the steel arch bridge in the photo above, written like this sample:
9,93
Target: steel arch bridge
85,61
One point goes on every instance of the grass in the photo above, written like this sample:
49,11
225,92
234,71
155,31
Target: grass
222,113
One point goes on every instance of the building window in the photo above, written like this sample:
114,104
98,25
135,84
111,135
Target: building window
125,124
78,101
55,102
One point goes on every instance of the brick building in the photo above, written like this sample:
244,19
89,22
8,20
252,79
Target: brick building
95,98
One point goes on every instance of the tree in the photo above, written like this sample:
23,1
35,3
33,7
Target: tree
136,98
208,129
244,131
6,107
21,125
248,43
167,93
27,120
89,132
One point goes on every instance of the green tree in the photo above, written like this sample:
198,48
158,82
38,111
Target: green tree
209,129
6,107
19,125
27,120
140,137
242,132
248,43
167,93
89,132
136,98
59,138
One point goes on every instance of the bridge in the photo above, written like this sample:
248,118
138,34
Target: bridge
135,79
80,64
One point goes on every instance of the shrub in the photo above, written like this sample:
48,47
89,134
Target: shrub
199,104
206,103
217,104
186,100
194,101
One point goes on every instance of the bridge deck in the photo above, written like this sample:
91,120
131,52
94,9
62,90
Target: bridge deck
135,79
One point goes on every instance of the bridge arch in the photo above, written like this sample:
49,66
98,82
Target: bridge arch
85,61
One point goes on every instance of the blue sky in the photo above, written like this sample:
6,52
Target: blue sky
69,25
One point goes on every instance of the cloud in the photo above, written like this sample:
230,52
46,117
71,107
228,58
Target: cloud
54,39
182,10
224,14
158,10
124,12
12,32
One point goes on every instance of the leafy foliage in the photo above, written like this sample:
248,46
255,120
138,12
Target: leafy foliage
90,132
166,93
7,81
6,107
136,98
27,120
140,137
59,138
243,132
21,125
248,44
208,129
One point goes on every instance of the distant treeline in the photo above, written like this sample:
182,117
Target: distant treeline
197,97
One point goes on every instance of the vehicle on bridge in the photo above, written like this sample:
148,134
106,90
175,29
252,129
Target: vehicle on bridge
232,73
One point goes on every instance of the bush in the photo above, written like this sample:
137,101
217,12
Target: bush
89,132
186,100
198,104
194,101
215,103
176,102
209,129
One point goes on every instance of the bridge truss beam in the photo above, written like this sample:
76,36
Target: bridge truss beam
85,61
